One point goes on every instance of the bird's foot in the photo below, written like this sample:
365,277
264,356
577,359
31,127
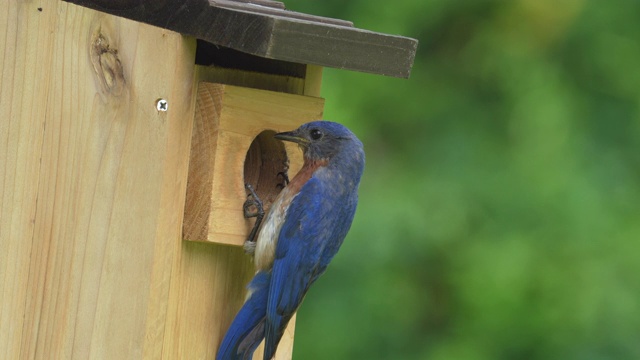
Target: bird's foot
252,200
284,174
255,202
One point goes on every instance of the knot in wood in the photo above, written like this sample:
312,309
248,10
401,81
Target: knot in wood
107,65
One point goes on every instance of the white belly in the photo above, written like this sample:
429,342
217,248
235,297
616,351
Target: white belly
268,236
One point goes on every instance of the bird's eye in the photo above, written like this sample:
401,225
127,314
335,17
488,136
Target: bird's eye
315,134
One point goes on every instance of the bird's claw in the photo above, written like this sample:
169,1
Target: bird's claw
258,214
285,179
254,201
284,174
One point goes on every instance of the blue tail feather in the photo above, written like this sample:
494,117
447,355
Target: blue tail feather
247,329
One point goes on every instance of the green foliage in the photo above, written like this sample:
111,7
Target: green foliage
499,214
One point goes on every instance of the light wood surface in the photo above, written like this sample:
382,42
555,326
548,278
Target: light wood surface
255,80
93,184
227,119
92,180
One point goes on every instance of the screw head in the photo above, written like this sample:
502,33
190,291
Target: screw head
162,105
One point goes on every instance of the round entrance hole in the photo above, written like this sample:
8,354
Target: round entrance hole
264,166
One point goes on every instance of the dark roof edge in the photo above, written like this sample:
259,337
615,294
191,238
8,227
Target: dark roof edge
272,33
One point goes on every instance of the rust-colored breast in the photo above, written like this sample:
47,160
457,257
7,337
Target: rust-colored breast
305,173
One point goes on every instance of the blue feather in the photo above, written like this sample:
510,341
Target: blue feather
310,236
315,225
247,329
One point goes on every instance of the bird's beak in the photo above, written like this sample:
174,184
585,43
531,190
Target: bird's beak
291,136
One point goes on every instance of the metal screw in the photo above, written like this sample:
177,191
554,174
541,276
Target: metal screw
162,105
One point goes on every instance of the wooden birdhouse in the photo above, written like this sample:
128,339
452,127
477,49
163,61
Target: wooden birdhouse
128,129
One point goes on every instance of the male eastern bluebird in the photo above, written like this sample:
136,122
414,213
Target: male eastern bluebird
303,230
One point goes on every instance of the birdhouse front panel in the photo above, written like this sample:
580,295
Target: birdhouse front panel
233,145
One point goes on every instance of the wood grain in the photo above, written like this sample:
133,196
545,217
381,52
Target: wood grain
91,176
252,79
209,288
93,183
273,33
200,312
227,119
278,11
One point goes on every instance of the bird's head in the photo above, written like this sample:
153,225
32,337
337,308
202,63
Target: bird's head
322,140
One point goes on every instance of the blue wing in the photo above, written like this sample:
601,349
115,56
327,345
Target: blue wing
316,223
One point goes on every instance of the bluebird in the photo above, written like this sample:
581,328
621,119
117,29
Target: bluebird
302,231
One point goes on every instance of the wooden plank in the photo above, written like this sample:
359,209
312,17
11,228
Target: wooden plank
208,281
313,81
251,79
275,36
91,176
227,120
269,3
342,48
271,10
209,289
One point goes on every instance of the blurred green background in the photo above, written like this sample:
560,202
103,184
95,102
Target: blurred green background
499,214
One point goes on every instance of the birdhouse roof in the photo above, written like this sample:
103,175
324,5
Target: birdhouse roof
266,29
